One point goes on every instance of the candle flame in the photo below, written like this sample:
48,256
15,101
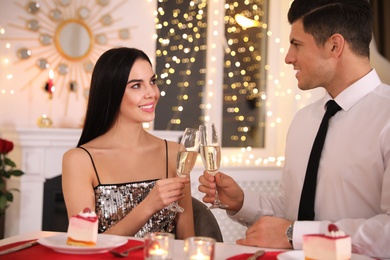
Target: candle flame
156,245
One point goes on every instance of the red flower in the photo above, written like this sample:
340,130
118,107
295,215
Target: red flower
6,146
7,170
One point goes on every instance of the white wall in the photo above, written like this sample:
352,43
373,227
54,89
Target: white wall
380,64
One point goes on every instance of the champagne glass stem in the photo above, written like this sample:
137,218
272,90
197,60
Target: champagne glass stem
216,200
217,204
174,206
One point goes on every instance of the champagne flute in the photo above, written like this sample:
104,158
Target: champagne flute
186,158
210,151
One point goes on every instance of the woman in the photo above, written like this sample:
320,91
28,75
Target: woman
123,172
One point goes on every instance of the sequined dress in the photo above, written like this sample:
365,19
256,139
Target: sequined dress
114,201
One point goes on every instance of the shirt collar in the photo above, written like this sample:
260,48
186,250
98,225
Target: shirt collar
356,91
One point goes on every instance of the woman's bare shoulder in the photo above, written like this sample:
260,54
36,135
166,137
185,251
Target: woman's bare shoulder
74,153
76,163
76,156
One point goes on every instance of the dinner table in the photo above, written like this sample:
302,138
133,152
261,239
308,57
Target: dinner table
42,250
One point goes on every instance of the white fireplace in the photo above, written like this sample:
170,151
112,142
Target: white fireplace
38,152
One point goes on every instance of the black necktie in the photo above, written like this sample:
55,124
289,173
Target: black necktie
306,205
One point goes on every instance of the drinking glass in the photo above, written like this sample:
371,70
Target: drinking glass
186,158
210,152
199,248
159,246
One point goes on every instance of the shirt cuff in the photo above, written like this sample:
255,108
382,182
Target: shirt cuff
248,213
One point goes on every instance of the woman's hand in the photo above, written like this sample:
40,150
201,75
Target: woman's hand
229,192
166,191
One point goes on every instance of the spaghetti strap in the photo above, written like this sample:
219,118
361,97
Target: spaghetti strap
166,159
93,164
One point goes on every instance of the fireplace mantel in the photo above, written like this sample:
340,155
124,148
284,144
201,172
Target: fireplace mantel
38,152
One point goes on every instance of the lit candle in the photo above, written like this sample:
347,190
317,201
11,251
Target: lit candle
199,248
200,257
157,253
158,246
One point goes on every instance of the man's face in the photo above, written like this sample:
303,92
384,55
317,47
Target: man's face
312,62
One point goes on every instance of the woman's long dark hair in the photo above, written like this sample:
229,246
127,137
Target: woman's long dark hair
108,84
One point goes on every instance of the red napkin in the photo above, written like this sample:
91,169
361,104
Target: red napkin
45,253
266,256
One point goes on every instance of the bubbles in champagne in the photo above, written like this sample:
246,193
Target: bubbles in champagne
211,157
185,162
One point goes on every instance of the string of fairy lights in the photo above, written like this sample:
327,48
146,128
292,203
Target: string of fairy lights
190,95
182,56
181,30
244,88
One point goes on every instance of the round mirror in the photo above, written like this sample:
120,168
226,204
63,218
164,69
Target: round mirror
74,39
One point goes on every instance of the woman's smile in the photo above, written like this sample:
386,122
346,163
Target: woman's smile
147,107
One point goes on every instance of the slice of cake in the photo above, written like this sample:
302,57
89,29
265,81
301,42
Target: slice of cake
334,245
83,229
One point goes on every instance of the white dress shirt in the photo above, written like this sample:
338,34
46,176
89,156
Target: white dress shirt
353,185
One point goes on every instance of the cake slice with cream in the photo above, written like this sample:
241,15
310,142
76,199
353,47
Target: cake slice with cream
83,229
334,245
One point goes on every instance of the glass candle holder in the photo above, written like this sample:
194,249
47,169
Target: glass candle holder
158,246
199,248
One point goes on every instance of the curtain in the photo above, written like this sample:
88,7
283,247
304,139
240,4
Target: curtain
382,26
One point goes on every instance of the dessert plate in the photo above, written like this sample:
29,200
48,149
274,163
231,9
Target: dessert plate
103,244
299,255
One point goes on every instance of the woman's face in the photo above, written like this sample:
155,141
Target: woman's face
141,95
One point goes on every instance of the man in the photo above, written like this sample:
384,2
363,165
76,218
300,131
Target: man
330,49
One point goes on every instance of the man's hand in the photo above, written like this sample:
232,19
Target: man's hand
229,192
267,232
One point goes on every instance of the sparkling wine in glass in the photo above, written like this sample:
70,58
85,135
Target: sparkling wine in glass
186,158
210,151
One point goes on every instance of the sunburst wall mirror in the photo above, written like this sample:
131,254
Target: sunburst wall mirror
62,39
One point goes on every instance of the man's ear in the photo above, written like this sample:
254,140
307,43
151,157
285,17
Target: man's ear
336,44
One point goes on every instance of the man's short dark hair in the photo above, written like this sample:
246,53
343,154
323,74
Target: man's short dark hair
353,19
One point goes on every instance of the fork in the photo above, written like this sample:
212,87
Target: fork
256,255
126,252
